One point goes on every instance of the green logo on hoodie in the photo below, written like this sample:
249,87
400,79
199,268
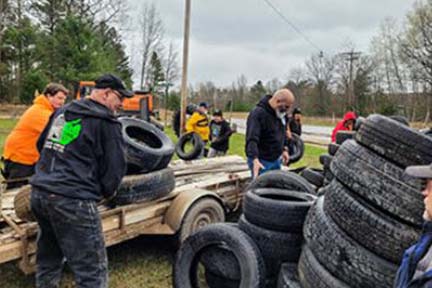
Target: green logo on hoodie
62,133
71,131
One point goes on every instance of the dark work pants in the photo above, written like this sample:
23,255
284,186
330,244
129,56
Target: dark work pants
13,170
70,231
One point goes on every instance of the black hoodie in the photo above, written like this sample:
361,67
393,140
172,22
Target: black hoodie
265,132
82,152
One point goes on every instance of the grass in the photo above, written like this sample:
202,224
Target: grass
141,262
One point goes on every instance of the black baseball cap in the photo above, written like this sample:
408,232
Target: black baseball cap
422,171
203,104
113,82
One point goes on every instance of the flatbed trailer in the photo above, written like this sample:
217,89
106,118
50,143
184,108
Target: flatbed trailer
218,181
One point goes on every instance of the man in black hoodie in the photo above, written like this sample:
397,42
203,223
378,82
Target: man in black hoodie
81,162
266,133
220,132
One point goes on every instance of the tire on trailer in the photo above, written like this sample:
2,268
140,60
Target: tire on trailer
379,181
147,147
313,176
332,148
282,180
239,243
395,141
198,146
203,212
298,147
313,275
261,205
342,136
385,236
276,247
342,256
22,204
145,187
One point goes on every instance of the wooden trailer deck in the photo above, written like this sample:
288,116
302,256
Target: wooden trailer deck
223,178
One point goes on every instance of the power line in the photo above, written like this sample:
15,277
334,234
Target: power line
292,25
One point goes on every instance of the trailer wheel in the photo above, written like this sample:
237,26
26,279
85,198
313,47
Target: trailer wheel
202,213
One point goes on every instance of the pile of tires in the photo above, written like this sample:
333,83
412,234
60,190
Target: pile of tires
356,233
147,147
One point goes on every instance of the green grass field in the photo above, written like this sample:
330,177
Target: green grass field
141,262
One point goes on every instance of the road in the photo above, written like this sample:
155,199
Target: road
311,133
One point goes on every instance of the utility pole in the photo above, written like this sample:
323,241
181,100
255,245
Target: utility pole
184,88
351,57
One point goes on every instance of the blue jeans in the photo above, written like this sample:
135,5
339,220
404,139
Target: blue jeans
70,231
268,165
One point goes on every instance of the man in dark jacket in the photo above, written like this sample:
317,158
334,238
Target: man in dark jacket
416,267
220,132
81,163
266,133
295,123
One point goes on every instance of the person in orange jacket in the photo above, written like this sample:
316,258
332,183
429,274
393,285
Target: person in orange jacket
20,152
347,124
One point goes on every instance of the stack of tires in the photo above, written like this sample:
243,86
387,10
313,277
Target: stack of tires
371,211
148,153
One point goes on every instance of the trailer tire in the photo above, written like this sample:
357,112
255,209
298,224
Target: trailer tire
198,146
298,147
146,147
203,212
342,256
380,182
386,236
276,247
261,205
395,141
313,176
22,204
239,243
313,275
282,180
145,187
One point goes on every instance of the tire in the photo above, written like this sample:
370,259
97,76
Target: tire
239,243
22,204
342,136
298,147
386,237
147,147
313,275
359,122
401,119
342,256
380,182
395,142
313,176
261,205
198,146
203,212
276,247
282,180
332,148
288,276
145,187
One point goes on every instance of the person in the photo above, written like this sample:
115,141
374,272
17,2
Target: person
266,137
190,109
415,270
220,132
346,124
295,123
81,163
199,122
20,153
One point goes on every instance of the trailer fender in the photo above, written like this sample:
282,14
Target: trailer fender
183,202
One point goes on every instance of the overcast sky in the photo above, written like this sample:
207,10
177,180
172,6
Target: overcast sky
234,37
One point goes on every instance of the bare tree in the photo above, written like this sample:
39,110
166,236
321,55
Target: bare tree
151,35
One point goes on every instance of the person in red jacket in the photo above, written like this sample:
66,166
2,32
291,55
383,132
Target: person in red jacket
347,124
